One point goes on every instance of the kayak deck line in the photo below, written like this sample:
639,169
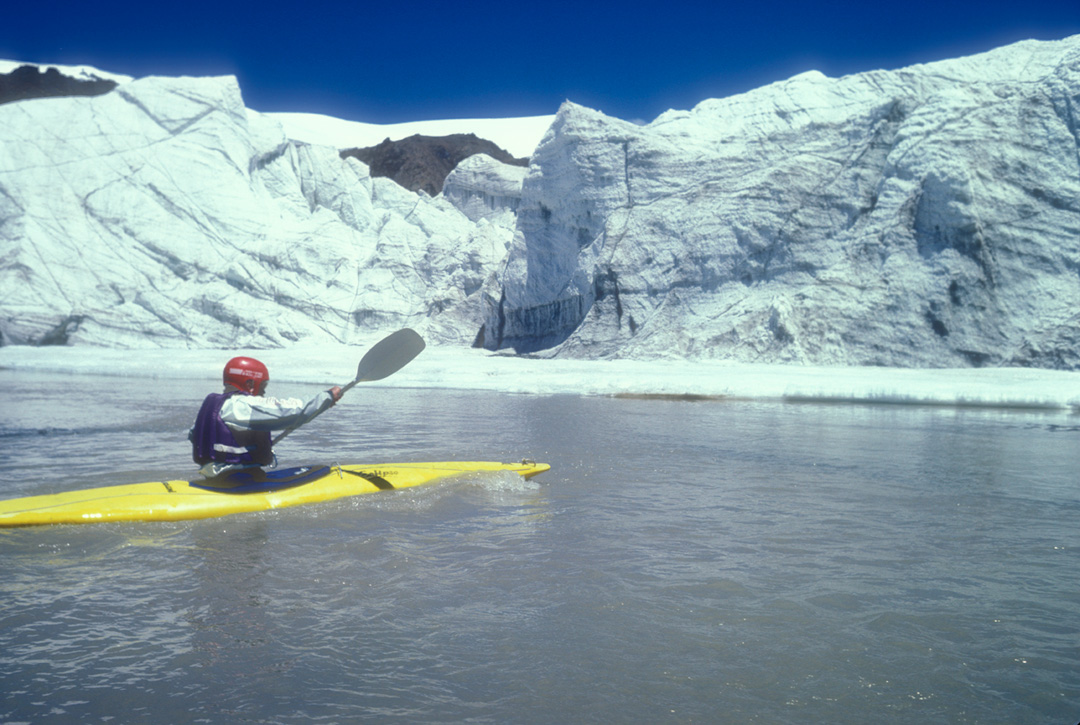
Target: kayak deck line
381,483
238,492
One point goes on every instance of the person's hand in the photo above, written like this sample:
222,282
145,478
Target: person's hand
335,393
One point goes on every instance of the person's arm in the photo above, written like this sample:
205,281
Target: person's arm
251,412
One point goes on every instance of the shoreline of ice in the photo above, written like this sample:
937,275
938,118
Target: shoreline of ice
468,369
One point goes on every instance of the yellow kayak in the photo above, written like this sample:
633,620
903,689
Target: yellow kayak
248,490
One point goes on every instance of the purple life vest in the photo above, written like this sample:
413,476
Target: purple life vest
213,441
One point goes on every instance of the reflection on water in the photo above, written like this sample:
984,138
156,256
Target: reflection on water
683,561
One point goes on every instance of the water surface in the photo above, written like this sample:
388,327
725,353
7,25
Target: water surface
700,561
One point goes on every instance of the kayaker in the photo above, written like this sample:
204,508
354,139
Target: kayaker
232,429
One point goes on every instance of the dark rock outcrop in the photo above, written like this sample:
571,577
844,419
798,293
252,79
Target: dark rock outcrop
28,81
421,163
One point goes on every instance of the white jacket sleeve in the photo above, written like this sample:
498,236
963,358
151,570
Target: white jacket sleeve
254,412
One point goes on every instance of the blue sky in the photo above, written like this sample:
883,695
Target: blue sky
398,61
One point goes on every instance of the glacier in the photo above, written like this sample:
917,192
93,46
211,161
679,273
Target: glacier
166,214
921,217
484,188
925,217
518,135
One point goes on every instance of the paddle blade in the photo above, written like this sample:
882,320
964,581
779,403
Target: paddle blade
389,355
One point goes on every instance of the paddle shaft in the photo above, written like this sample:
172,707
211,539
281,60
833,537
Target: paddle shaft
385,358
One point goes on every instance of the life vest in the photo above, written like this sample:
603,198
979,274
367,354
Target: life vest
214,442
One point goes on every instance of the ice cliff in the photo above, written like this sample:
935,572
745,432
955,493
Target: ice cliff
165,213
485,188
928,216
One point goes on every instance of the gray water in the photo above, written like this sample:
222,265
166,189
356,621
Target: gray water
715,561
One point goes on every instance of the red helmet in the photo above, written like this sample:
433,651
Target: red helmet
246,374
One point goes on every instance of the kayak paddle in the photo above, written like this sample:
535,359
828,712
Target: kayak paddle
388,355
